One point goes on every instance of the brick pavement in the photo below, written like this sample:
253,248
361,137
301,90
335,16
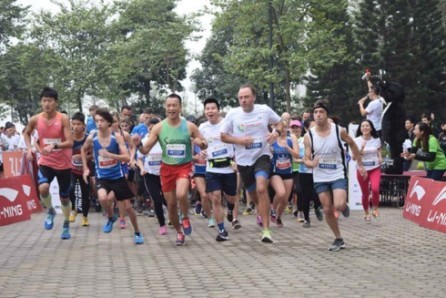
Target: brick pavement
389,258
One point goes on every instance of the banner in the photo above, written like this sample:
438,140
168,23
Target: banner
12,163
16,200
354,191
425,203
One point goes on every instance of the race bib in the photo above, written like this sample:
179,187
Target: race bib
154,160
106,162
176,150
328,162
256,144
219,151
48,141
77,164
368,160
283,163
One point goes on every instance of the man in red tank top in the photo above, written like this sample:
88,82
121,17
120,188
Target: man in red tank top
55,143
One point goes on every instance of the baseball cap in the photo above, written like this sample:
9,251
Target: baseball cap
295,123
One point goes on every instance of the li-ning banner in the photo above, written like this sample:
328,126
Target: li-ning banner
426,203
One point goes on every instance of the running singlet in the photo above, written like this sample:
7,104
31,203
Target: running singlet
176,143
219,154
51,132
77,167
253,124
106,167
152,161
282,159
370,158
330,166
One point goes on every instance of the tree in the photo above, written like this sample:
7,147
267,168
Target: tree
12,21
149,47
79,36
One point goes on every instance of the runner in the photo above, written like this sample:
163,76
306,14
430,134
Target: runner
324,153
368,141
109,151
284,149
247,128
56,145
220,175
174,135
79,137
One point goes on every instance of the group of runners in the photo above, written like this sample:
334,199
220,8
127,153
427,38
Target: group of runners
274,157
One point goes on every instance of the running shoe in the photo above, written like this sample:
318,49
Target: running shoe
273,215
122,223
197,208
222,236
295,212
187,228
65,232
259,220
346,211
229,216
139,239
248,211
211,222
300,217
180,239
162,230
368,219
288,209
236,224
49,221
306,224
203,214
375,214
279,222
108,227
337,245
266,236
85,222
73,215
319,214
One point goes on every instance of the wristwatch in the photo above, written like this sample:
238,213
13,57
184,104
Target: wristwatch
55,146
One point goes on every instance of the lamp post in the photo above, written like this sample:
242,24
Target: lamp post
270,40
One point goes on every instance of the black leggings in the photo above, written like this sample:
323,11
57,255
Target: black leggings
85,193
308,194
153,187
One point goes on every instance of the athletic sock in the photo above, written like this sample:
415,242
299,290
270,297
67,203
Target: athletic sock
66,210
221,226
47,201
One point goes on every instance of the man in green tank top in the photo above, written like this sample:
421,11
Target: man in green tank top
175,136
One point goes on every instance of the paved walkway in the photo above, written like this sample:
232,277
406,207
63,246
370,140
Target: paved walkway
389,258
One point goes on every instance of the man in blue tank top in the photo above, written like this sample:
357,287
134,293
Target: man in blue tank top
109,151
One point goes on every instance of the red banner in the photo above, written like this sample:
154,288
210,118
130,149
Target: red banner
425,203
13,204
12,163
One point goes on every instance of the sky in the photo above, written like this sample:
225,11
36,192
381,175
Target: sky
184,7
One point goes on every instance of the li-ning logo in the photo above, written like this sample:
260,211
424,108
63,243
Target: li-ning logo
441,196
419,190
241,127
9,193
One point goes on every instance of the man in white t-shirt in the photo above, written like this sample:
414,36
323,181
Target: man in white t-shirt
247,128
220,175
10,137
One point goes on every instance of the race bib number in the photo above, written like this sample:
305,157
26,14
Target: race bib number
176,150
219,151
368,160
283,163
256,144
48,141
328,163
154,160
77,164
106,162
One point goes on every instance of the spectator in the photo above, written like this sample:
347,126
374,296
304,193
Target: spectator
426,148
91,125
374,109
10,140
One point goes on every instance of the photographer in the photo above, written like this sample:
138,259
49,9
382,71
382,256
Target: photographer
374,109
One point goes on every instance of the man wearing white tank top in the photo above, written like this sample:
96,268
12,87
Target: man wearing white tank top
247,128
324,153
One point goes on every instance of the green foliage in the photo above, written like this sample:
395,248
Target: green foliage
12,21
